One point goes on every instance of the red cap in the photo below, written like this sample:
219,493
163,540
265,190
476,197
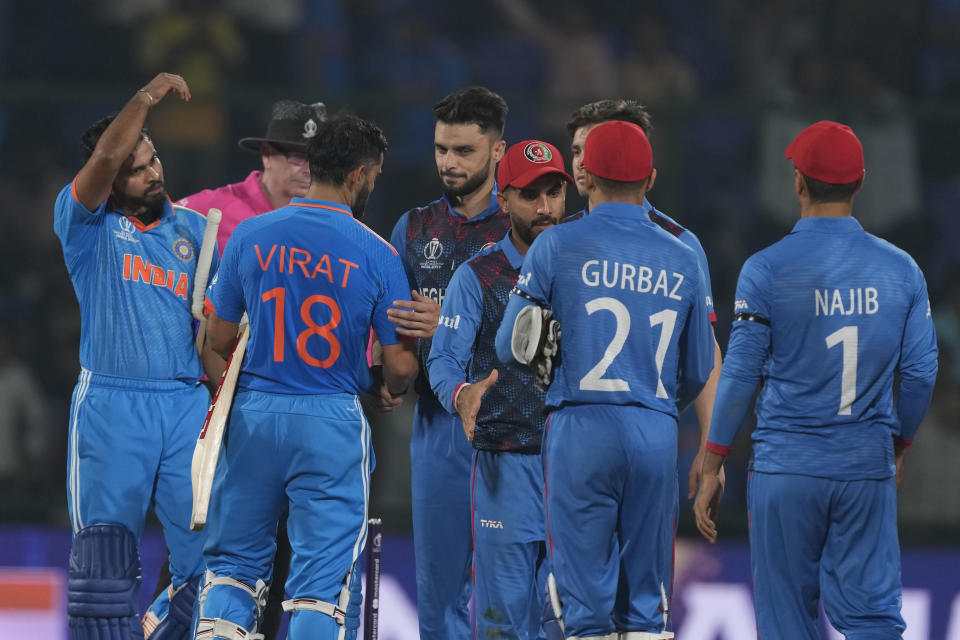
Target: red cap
618,150
829,152
526,161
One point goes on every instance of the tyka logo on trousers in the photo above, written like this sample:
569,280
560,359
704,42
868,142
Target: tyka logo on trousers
491,524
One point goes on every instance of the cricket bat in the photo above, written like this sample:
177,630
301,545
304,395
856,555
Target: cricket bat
371,603
207,451
202,274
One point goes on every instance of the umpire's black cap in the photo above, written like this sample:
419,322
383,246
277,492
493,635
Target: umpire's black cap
291,126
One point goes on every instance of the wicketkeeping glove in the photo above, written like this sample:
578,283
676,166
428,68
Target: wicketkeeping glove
536,342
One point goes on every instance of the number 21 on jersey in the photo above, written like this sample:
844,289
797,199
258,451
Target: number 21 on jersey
325,331
594,380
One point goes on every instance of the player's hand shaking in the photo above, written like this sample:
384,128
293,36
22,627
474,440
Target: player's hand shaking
420,321
468,402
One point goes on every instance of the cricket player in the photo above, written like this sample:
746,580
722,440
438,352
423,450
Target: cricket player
502,411
580,124
312,279
286,170
433,241
285,175
636,347
826,317
139,405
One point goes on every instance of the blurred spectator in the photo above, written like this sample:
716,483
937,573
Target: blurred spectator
581,64
651,72
319,46
200,40
24,429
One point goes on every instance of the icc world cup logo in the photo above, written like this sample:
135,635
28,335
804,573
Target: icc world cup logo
433,250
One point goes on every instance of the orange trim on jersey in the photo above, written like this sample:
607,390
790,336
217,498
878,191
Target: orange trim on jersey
144,227
346,211
208,309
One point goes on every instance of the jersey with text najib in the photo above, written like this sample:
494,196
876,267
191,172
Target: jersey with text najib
631,302
845,308
134,284
313,280
434,240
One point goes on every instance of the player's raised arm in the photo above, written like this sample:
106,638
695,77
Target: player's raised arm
115,145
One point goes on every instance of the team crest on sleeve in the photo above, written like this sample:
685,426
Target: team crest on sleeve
183,249
537,152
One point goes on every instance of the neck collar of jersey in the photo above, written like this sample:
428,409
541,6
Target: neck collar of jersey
491,209
323,205
167,211
586,210
822,224
623,210
510,251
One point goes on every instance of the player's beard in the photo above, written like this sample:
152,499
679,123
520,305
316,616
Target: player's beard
150,207
470,185
360,202
525,230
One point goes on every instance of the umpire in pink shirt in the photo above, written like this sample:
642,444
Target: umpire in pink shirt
285,175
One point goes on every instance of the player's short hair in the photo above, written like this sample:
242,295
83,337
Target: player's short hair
821,192
607,110
619,188
91,136
473,105
342,144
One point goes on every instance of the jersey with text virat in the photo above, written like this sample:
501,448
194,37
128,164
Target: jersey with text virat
433,241
313,280
134,284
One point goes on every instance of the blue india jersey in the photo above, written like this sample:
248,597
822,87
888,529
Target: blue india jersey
313,280
513,411
134,283
825,318
631,301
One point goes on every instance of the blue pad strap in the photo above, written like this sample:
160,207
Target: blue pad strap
103,584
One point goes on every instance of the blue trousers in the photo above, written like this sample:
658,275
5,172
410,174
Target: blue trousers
441,460
814,536
131,442
611,489
313,454
509,557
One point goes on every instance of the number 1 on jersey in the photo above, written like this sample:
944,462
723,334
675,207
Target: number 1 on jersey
848,375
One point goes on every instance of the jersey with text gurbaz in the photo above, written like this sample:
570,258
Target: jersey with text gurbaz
677,230
134,284
845,309
313,280
631,302
434,240
513,411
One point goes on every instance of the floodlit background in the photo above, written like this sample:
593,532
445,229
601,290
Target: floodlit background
728,82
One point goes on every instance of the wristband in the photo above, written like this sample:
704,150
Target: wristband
147,93
456,392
